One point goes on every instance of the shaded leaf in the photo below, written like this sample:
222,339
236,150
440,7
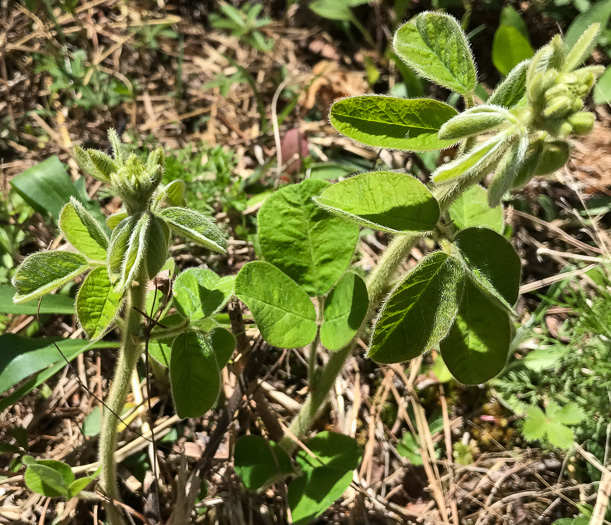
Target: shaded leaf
509,48
259,462
194,375
49,304
199,292
344,311
477,345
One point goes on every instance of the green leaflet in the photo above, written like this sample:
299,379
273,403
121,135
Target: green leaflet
199,292
194,375
307,243
196,227
344,311
157,241
436,47
387,122
325,476
259,462
384,200
553,155
476,348
83,231
471,209
283,311
599,13
492,262
512,90
97,304
419,311
477,161
509,48
43,272
223,343
474,121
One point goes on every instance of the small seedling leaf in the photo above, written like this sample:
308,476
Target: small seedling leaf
471,209
83,231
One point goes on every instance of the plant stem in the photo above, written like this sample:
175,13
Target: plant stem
130,351
377,284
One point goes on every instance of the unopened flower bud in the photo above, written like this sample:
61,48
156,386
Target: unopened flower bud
557,107
582,122
553,156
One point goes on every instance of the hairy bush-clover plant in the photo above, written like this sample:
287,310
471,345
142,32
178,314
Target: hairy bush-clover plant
459,298
120,259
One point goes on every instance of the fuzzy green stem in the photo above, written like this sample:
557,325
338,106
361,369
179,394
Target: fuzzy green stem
130,351
377,287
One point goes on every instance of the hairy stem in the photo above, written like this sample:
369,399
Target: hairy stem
130,351
377,286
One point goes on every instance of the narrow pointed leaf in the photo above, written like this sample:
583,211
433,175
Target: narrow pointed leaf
83,159
194,375
49,304
309,244
119,242
199,292
344,311
282,309
157,241
505,175
174,193
384,200
419,311
97,304
512,90
196,227
476,161
43,272
493,263
474,121
476,348
582,48
397,123
436,47
471,209
133,259
83,231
